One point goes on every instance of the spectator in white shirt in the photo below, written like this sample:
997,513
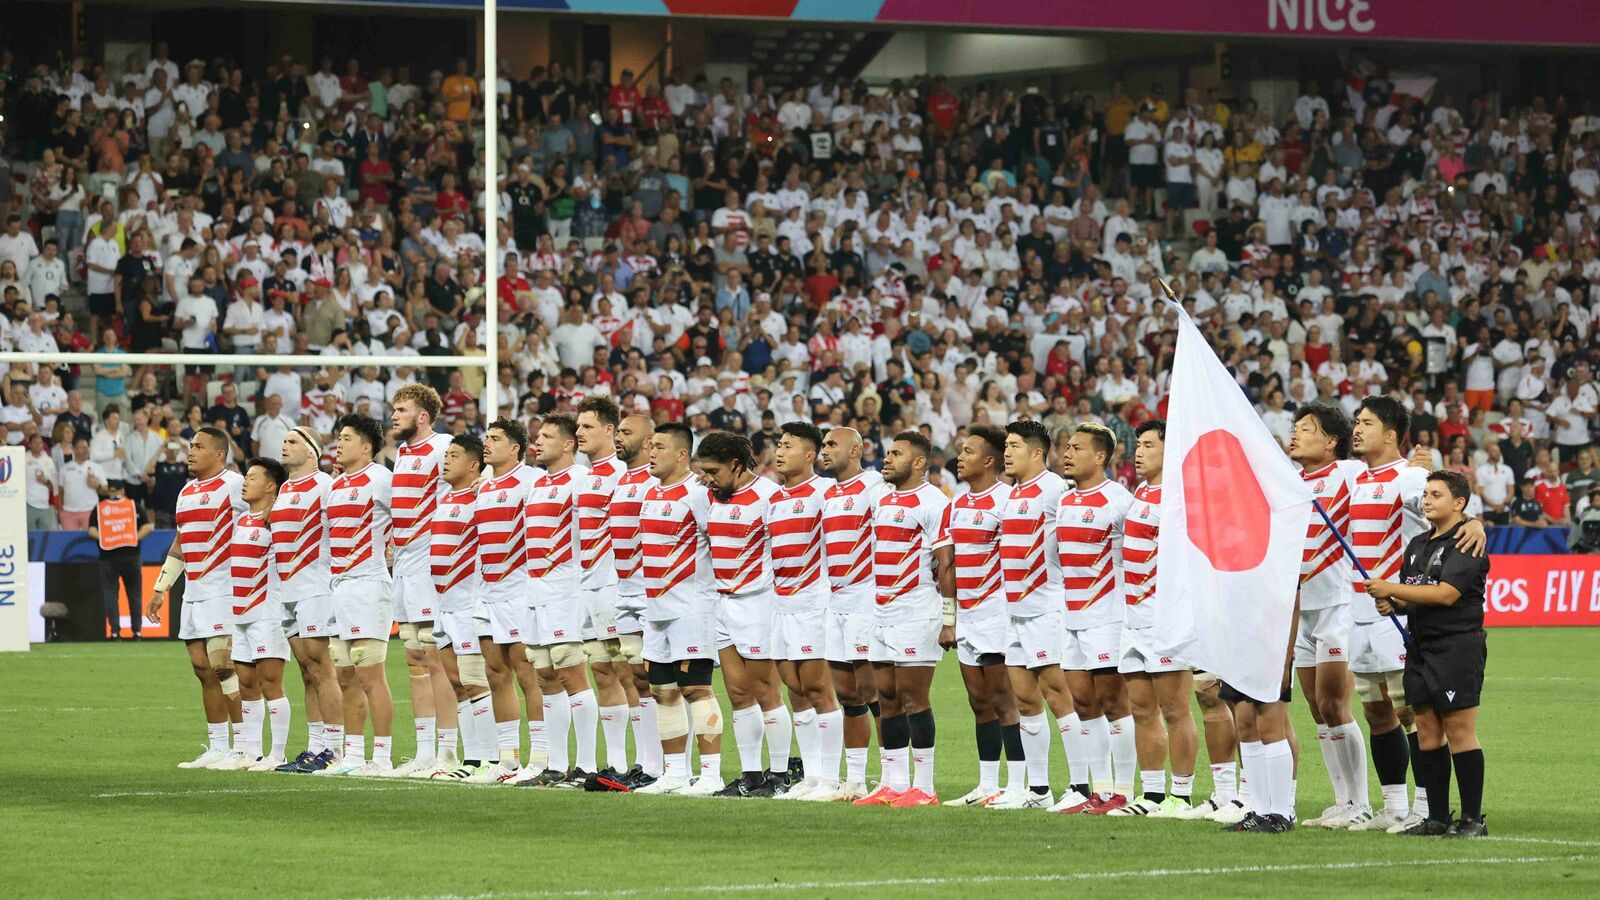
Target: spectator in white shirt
106,448
46,275
1495,483
48,398
245,322
81,481
43,483
196,318
1571,413
17,245
270,428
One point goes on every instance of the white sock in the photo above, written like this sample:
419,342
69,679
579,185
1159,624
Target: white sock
1182,787
1330,760
314,737
855,765
507,740
1350,749
1036,750
675,765
830,744
1419,803
923,773
1096,734
279,714
586,722
1224,782
747,731
1124,756
355,747
779,727
449,738
1278,764
1016,775
481,727
557,726
332,737
255,715
1254,784
538,744
1394,800
646,736
711,766
469,730
989,775
1153,781
896,766
217,736
427,738
805,737
381,744
1075,748
614,725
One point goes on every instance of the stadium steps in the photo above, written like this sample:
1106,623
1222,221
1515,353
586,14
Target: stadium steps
803,57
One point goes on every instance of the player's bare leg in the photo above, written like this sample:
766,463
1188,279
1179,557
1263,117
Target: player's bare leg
446,715
367,656
268,678
784,766
220,652
1221,738
1094,734
533,706
986,725
858,697
1327,688
1173,690
1030,691
1019,793
214,702
562,680
911,688
419,685
612,682
315,725
642,703
750,696
500,672
247,734
826,724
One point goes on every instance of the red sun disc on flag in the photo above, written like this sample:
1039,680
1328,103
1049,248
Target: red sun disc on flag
1226,512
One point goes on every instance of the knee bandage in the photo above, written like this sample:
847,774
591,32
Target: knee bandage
565,656
427,637
629,649
1370,685
672,721
707,717
219,644
408,636
368,652
596,652
539,657
472,671
856,712
339,652
230,685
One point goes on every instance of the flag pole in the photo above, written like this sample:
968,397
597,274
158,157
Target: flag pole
1365,575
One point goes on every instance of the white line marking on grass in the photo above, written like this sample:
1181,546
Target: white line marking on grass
769,887
365,789
88,709
1553,842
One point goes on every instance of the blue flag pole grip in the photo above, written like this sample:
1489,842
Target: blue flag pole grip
1351,553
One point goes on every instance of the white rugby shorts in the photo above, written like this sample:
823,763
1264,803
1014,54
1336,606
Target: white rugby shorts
983,637
207,609
1033,642
1324,636
1138,655
745,624
258,640
1092,648
684,638
362,608
914,643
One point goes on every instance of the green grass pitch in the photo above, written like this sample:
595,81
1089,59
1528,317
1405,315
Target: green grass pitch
94,806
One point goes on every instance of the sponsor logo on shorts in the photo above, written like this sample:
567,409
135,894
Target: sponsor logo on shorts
1104,657
1040,654
427,610
1450,695
1166,660
559,632
861,648
216,628
262,648
611,631
514,633
1402,657
466,645
355,629
312,629
755,648
805,648
911,651
691,649
1335,651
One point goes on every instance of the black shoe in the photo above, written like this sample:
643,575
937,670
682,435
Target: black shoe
747,786
138,637
1277,824
1252,822
641,780
796,773
1428,828
779,783
1469,828
607,779
574,780
594,783
547,778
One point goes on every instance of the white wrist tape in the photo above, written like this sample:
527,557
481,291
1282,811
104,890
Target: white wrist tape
171,568
949,612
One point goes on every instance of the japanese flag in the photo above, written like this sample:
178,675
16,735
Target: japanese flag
1233,527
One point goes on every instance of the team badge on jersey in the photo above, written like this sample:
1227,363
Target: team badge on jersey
799,506
354,494
849,503
1320,485
598,484
1088,516
1145,513
899,515
501,498
1377,492
1022,508
416,464
735,514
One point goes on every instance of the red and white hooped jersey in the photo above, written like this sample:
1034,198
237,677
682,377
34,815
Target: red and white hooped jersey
416,486
1140,532
741,556
1088,540
847,509
1326,573
676,550
1385,514
300,537
502,527
907,527
553,536
972,526
624,523
453,549
1029,564
205,515
359,523
250,565
596,548
794,521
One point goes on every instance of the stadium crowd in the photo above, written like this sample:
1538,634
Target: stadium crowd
924,256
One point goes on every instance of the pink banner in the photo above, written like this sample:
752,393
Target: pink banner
1542,590
1570,22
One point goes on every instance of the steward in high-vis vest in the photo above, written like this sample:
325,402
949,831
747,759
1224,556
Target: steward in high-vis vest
119,523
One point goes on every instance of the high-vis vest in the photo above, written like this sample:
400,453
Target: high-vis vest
118,524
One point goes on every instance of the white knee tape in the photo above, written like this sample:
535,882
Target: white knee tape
472,670
219,644
408,636
230,685
707,717
427,638
539,656
596,652
672,721
565,656
339,652
368,652
630,649
1369,687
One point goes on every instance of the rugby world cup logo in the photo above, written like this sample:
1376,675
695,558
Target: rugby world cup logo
5,469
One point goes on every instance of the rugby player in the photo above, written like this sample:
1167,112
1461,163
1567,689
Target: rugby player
498,517
847,510
1088,527
915,614
1228,802
1320,445
1158,686
461,621
741,564
260,646
206,510
419,452
799,633
679,614
300,552
1385,514
973,529
634,434
556,601
614,691
358,538
1035,607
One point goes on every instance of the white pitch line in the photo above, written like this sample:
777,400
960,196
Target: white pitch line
89,709
769,887
1552,842
367,789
